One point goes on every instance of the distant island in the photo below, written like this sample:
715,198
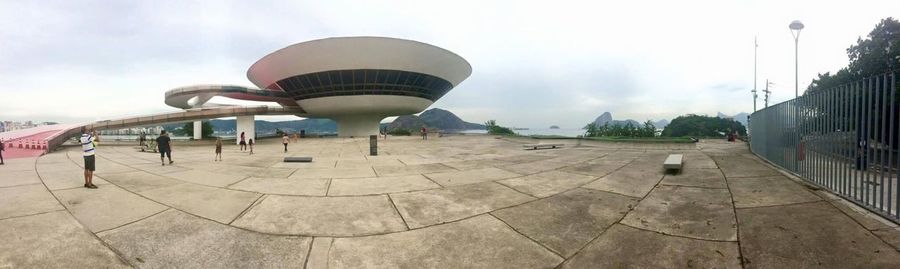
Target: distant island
554,127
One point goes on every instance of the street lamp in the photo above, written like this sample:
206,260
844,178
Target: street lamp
796,26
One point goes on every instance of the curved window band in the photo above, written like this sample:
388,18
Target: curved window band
364,82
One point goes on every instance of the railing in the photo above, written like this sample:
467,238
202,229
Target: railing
174,117
844,139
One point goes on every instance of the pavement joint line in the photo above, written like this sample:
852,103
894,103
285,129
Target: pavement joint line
309,251
33,214
432,180
614,223
871,232
328,186
529,238
514,189
396,210
689,186
609,192
236,182
84,228
254,203
679,236
135,221
788,204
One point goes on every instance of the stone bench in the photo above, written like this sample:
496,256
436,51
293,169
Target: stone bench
674,162
297,159
542,146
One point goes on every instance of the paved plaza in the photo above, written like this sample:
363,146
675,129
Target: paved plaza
449,202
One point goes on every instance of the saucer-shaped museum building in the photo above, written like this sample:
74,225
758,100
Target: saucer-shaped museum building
358,81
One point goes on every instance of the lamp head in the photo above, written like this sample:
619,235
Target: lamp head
796,25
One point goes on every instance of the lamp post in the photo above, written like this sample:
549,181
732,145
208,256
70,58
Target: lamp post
755,46
796,26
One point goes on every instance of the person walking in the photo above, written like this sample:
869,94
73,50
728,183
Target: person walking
424,133
88,146
251,146
218,149
143,139
163,142
2,148
243,142
284,140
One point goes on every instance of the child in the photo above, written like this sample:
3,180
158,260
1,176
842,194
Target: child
218,149
250,142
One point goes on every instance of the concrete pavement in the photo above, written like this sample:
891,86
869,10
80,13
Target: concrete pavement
450,202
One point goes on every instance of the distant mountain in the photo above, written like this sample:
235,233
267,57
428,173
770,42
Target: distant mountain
626,122
661,124
309,125
554,127
408,122
739,117
603,119
446,120
606,118
433,118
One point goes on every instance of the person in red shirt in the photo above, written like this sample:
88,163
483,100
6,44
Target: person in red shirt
424,133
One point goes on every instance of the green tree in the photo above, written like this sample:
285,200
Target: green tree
702,126
206,129
494,129
877,54
591,129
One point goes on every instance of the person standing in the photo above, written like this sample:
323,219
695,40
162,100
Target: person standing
143,139
218,149
163,142
2,148
424,133
251,146
88,146
243,142
284,140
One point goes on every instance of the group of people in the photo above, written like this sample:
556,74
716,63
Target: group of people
89,140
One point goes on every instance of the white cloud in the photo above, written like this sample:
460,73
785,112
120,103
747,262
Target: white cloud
535,63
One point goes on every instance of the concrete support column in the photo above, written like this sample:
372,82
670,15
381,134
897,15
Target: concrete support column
246,124
358,125
198,130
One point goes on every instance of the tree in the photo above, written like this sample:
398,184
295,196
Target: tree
702,126
206,129
877,54
495,129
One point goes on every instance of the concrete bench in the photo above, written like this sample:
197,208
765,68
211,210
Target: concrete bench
297,159
542,146
674,162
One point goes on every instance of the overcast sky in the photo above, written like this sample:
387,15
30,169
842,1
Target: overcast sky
535,63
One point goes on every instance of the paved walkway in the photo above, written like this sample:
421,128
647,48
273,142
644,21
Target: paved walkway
451,202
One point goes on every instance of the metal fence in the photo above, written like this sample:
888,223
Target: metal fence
844,139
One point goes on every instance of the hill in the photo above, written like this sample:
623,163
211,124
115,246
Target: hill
702,126
739,117
606,118
409,122
446,120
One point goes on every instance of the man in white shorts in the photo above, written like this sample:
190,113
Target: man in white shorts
88,144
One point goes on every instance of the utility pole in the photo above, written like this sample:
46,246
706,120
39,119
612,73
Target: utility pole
767,92
755,46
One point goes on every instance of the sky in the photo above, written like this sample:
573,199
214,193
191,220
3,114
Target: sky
535,63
